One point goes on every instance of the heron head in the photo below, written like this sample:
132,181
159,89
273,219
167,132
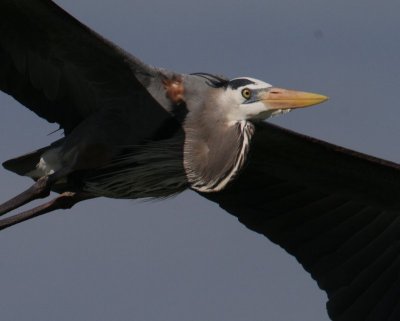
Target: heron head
252,99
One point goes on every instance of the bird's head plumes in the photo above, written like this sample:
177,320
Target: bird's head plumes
252,99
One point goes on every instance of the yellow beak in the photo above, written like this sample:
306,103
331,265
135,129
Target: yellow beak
279,98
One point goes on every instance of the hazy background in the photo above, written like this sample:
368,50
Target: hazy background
186,259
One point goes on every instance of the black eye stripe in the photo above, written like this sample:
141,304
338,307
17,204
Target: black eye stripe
236,83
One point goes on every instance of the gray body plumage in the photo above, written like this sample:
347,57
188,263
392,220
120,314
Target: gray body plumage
200,155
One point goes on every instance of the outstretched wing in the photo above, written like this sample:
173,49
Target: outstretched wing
62,70
336,211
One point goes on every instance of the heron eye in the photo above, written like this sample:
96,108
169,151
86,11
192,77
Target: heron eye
246,93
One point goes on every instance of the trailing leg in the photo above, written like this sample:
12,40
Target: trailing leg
64,201
40,189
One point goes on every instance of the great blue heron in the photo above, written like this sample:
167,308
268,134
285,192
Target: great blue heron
135,131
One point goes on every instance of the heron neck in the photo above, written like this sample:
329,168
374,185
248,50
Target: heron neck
215,152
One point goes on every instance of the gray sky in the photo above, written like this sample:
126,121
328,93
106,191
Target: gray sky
184,258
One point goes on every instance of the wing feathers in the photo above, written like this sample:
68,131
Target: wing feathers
336,211
62,70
